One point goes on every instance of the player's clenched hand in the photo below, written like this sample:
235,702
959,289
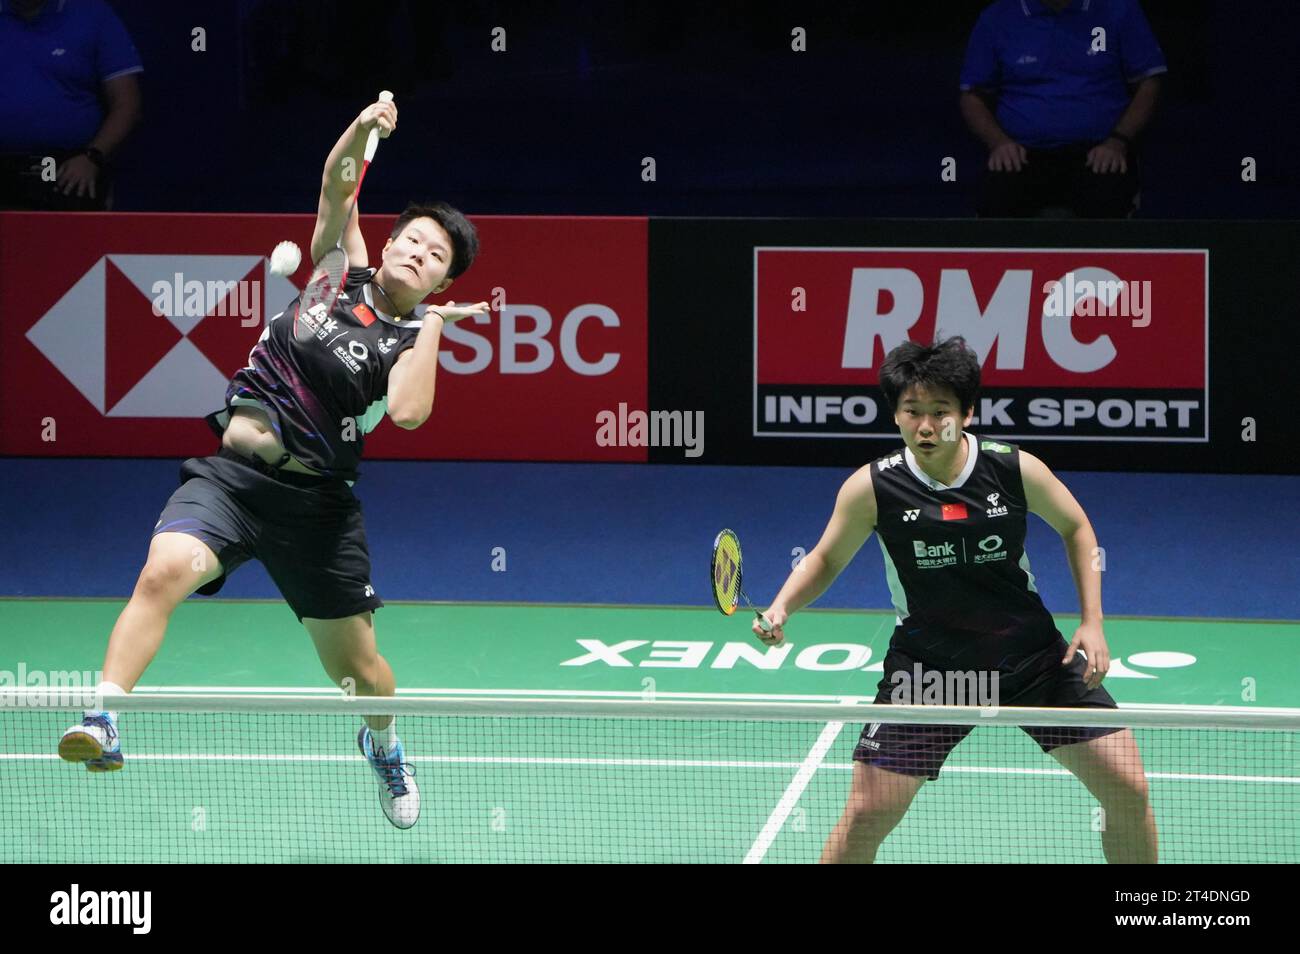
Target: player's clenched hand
383,115
1089,638
777,618
454,312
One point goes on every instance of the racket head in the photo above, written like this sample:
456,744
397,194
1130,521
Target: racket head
321,292
725,571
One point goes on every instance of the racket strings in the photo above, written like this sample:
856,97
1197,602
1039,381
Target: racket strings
322,291
726,570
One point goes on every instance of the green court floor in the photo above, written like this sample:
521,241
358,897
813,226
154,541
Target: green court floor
258,788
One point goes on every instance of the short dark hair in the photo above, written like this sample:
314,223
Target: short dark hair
463,235
949,363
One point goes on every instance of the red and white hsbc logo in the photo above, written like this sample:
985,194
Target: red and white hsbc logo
121,332
1074,344
151,336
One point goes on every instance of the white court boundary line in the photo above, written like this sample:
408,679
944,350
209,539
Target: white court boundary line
793,792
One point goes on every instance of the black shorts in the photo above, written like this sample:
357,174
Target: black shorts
306,530
1038,680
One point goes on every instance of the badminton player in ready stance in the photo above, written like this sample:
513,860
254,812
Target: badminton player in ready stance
950,512
280,488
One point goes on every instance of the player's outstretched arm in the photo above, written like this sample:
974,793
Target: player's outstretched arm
851,523
339,181
413,380
1046,496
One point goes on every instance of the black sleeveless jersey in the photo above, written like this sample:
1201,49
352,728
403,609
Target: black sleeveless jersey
323,395
955,560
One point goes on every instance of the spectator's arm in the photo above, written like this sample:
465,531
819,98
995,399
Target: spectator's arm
981,121
1140,109
122,96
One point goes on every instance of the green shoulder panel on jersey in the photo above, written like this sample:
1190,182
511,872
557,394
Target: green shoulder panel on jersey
995,447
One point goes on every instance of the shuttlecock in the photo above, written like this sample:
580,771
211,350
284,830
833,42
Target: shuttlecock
285,259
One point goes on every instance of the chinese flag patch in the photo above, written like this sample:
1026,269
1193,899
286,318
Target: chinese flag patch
953,511
364,314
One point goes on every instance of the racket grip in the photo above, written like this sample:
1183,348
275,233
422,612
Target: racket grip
372,141
763,624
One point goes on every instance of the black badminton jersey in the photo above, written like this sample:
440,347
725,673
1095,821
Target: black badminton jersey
955,560
324,394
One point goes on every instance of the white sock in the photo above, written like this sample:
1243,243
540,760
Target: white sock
105,689
385,738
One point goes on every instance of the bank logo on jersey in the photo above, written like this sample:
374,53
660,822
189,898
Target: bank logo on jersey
934,557
888,462
994,510
910,515
321,324
316,318
992,547
955,511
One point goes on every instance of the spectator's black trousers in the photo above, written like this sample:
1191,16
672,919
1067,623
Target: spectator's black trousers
23,189
1060,178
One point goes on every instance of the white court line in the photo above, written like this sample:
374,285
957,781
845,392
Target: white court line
1165,776
812,761
648,763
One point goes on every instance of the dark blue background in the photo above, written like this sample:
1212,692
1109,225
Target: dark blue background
737,123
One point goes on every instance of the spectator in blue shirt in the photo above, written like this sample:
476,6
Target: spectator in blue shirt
1059,91
71,94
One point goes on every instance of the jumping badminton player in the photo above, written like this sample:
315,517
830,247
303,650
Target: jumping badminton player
950,511
279,489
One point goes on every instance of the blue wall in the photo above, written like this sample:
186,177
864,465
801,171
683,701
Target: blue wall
1176,545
